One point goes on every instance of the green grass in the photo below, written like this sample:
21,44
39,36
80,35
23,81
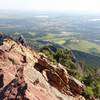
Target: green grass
84,46
57,38
32,33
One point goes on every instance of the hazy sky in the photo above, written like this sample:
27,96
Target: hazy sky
59,5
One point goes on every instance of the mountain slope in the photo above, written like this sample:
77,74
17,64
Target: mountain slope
21,66
88,59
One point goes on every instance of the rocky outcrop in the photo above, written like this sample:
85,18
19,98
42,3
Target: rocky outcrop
1,78
33,77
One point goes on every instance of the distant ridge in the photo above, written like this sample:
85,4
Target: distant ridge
89,59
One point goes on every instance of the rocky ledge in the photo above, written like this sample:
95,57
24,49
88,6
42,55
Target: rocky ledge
28,75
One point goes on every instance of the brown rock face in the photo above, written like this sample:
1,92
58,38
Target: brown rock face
1,78
28,75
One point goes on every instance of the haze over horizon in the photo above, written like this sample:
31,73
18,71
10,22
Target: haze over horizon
51,5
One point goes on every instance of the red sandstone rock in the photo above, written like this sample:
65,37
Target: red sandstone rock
44,80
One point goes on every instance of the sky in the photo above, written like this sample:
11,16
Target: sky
52,5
